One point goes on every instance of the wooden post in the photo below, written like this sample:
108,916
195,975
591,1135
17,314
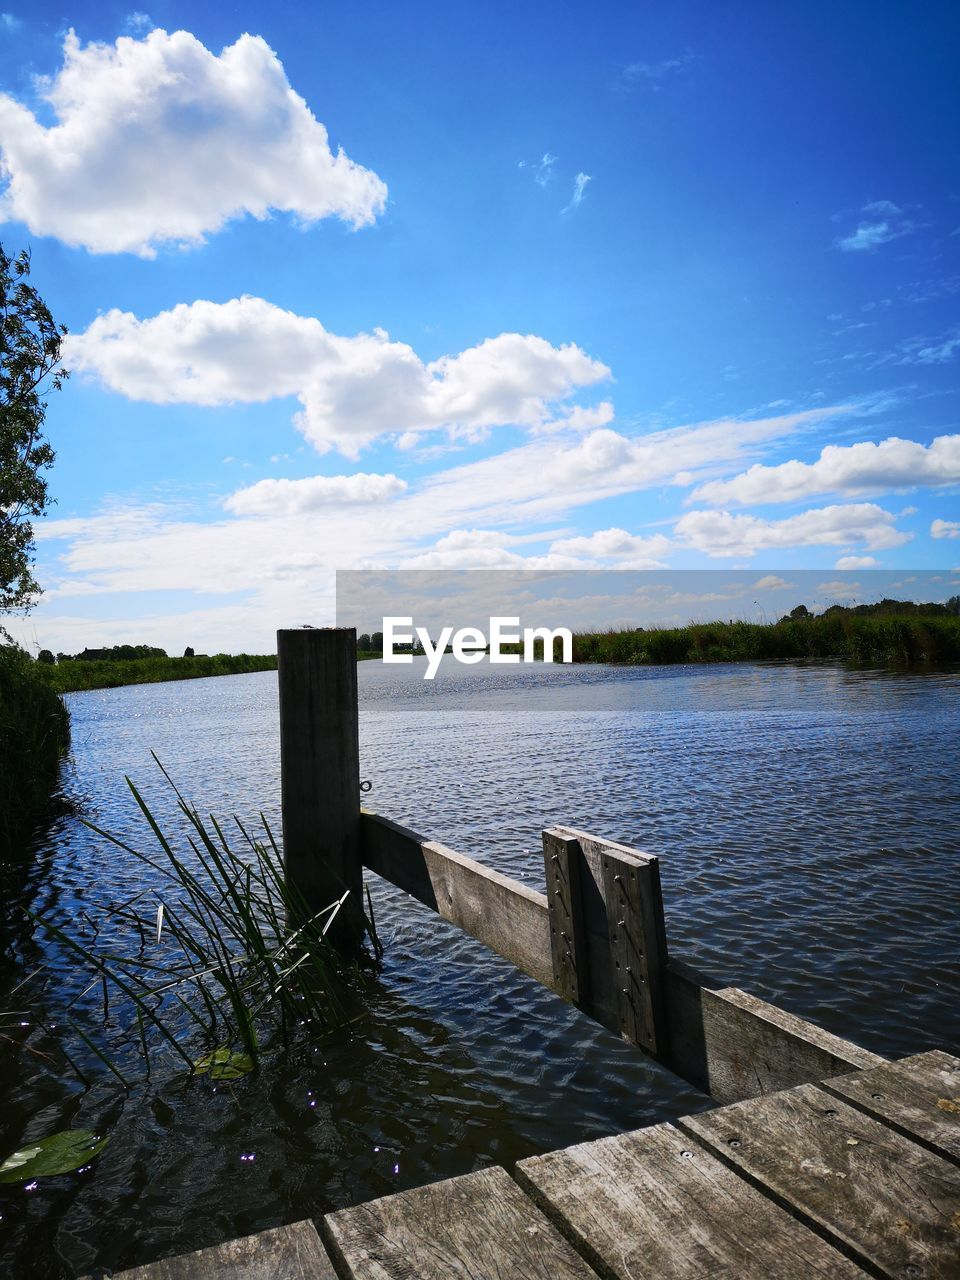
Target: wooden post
320,772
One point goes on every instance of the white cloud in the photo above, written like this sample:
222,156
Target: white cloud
771,582
288,497
625,550
945,529
159,140
857,468
579,183
718,533
351,389
885,222
856,562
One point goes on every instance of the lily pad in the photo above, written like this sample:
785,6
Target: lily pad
59,1153
223,1064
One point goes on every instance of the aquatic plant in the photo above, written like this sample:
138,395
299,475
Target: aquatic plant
223,952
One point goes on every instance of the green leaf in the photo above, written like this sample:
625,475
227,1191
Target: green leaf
60,1153
223,1064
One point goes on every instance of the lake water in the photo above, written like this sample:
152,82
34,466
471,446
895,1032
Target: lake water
808,825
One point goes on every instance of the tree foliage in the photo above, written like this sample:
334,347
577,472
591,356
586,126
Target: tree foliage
30,343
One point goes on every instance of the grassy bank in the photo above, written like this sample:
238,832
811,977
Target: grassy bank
34,734
71,674
841,637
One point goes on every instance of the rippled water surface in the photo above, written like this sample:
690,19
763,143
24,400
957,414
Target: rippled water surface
808,825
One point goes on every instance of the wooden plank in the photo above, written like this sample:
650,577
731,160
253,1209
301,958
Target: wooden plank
918,1096
889,1203
727,1043
509,918
652,1204
631,891
320,772
478,1227
733,1045
568,949
282,1253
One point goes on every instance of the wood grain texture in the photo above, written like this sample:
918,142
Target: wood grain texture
632,898
283,1253
478,1227
320,772
653,1205
509,918
892,1204
733,1045
571,975
727,1043
918,1096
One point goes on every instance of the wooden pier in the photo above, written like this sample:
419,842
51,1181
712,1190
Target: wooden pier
823,1159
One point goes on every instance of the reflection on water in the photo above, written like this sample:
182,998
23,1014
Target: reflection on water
807,824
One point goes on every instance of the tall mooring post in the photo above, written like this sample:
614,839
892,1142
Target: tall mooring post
320,772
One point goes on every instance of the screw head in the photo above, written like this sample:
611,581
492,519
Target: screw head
878,1096
733,1142
686,1155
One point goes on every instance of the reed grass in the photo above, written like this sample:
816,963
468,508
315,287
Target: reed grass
223,954
840,637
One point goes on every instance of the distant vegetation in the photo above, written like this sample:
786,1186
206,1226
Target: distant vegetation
891,631
34,734
140,664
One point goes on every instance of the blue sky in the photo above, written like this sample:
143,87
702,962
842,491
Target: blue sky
589,286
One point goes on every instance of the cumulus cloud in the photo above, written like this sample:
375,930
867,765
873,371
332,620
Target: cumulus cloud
719,533
884,222
945,529
857,468
159,140
625,550
856,562
652,75
315,493
351,389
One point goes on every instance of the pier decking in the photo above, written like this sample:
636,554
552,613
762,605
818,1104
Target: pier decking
858,1176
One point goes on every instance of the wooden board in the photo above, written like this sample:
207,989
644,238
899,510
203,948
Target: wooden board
889,1203
283,1253
631,892
478,1227
653,1205
919,1096
571,977
727,1043
509,918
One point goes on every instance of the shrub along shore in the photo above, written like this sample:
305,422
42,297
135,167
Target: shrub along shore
72,674
34,734
843,636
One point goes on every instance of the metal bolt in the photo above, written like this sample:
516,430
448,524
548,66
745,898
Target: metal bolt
621,924
555,857
556,893
618,879
878,1096
733,1142
686,1155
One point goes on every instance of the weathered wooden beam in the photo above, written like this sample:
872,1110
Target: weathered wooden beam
320,772
883,1200
505,916
476,1227
561,860
282,1253
652,1205
725,1042
733,1045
